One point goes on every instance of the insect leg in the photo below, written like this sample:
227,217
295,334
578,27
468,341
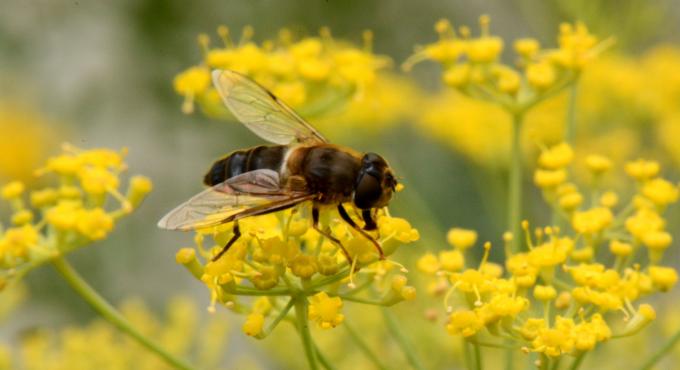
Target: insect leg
327,234
234,238
368,219
345,216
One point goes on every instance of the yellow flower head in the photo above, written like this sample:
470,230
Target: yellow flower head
592,221
12,190
642,169
465,323
549,179
461,239
660,191
598,164
254,324
664,278
325,310
556,157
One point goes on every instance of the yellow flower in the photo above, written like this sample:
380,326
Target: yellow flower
545,292
532,327
598,164
527,47
325,310
428,263
571,201
548,179
97,180
557,340
484,49
556,157
254,324
465,323
592,221
43,198
551,253
16,242
95,224
139,188
643,222
65,215
461,239
304,266
657,240
452,260
576,46
664,278
398,228
642,169
620,249
609,199
541,75
12,190
660,191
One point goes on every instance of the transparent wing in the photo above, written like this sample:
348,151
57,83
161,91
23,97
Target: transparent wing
249,194
261,111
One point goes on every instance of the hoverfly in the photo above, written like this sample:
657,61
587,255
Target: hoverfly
303,166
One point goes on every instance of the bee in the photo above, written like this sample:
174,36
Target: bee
301,167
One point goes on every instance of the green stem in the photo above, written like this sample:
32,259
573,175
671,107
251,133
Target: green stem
545,362
108,312
570,124
578,361
661,352
515,184
363,346
510,358
478,356
403,343
466,354
301,306
322,359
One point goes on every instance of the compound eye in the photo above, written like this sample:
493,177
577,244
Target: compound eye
368,192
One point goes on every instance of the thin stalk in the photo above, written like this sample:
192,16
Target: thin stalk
509,358
322,359
577,361
570,124
515,184
363,346
466,354
403,343
301,307
478,356
658,355
108,312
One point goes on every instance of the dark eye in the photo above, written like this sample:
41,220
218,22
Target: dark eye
367,192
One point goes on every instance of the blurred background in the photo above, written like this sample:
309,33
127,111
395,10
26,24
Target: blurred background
99,74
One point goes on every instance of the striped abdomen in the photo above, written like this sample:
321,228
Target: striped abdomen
238,162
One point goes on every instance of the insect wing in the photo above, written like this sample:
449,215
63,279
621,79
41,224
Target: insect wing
248,194
262,112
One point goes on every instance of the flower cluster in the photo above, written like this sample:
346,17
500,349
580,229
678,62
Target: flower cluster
471,64
581,279
620,100
284,262
52,221
98,345
311,74
25,140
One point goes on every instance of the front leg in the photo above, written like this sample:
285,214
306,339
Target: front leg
369,223
345,216
237,234
327,234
